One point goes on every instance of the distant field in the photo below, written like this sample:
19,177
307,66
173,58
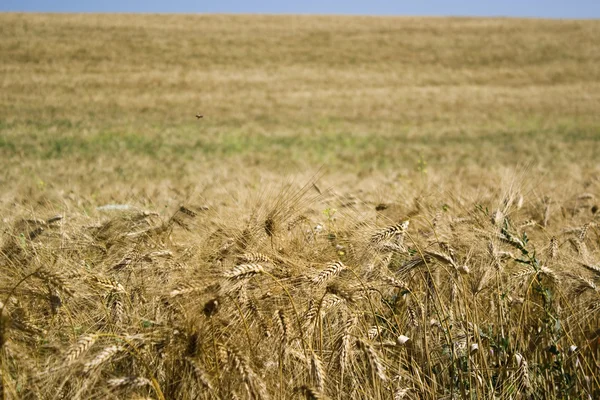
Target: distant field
370,207
351,92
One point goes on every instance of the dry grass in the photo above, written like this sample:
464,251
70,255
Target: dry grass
442,240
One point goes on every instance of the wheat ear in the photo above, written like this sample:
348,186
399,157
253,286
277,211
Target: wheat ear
244,271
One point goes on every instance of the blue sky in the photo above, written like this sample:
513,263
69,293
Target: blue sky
512,8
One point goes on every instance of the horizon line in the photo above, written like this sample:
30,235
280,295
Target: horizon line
276,14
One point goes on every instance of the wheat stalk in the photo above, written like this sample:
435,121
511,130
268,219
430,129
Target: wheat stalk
283,326
373,359
200,374
585,284
255,385
317,372
345,344
55,280
244,271
583,232
400,284
523,373
412,315
83,344
106,354
255,258
553,250
129,381
550,274
186,289
108,284
594,268
332,270
389,232
310,393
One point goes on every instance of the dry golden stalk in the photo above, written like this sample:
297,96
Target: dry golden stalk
373,332
200,374
392,247
102,357
313,308
125,261
283,326
55,280
523,371
332,270
255,257
129,381
339,291
256,313
447,259
310,393
584,285
389,232
118,309
412,315
550,274
553,250
396,282
345,343
317,372
187,289
546,217
108,284
27,326
528,224
255,385
187,211
401,393
583,232
83,344
331,300
244,271
523,272
373,358
158,254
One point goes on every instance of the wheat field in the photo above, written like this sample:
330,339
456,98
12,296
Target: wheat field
369,208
